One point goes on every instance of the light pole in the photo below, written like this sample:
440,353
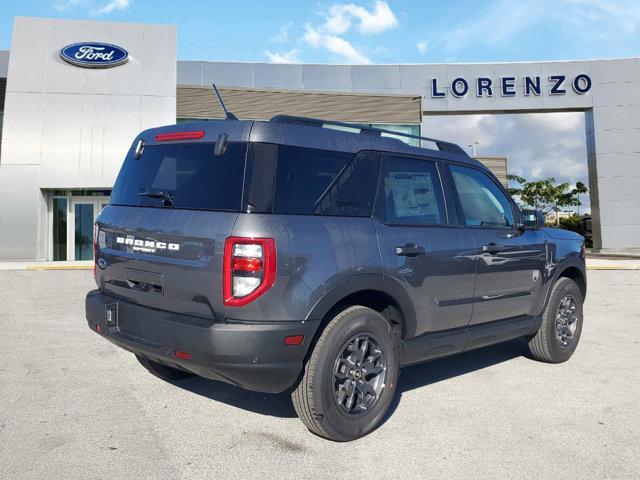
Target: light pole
473,146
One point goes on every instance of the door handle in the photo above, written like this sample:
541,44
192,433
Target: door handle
410,250
491,248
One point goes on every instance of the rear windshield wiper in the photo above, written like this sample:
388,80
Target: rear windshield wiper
167,197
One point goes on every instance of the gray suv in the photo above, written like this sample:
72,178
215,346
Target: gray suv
321,257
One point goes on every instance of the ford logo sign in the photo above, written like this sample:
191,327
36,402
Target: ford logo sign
94,55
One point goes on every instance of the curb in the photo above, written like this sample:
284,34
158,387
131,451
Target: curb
61,267
611,267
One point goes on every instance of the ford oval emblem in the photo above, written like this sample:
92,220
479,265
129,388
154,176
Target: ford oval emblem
102,263
94,55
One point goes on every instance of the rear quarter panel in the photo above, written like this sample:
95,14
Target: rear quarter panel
314,255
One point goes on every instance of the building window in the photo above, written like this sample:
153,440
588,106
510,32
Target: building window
408,129
185,120
59,228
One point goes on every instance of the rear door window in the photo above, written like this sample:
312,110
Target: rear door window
183,175
410,193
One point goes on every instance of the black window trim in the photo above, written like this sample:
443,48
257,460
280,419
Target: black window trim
439,166
460,212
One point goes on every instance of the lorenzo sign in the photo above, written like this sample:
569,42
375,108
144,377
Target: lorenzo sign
94,55
506,86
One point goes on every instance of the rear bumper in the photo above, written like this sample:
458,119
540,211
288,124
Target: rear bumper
250,355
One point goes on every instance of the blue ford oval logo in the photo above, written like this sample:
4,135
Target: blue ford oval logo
102,263
94,55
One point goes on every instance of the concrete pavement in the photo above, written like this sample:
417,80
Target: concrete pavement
74,406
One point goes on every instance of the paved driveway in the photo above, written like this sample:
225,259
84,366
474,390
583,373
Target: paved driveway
74,406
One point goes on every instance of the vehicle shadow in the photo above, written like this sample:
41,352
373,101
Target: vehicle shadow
434,371
275,405
415,376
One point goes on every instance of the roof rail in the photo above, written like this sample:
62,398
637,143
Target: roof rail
367,130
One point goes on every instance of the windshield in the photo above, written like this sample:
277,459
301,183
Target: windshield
183,175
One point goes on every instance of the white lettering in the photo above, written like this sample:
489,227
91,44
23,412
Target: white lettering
147,245
88,52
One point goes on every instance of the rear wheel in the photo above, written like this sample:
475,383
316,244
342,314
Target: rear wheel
163,371
561,326
350,378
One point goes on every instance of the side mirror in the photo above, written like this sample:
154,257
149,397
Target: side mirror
533,219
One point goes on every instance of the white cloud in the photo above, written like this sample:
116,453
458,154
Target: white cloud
114,5
334,44
536,145
422,46
284,57
340,16
283,33
340,19
92,7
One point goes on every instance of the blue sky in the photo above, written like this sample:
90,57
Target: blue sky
399,31
396,31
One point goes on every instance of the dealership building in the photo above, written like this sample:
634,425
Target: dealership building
74,94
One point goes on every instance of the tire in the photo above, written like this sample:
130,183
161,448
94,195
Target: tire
334,398
162,371
548,345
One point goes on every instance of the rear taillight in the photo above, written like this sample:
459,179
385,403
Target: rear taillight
249,269
95,249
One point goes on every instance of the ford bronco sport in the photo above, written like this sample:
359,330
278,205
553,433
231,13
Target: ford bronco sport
321,257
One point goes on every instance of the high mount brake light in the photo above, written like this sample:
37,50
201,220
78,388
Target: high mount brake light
193,135
249,269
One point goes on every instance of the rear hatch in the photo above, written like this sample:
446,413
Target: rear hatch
161,240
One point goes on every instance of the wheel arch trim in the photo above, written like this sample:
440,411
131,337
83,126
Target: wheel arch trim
367,283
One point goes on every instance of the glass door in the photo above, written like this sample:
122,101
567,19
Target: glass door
83,213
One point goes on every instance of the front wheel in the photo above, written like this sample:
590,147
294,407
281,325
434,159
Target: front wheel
350,378
561,326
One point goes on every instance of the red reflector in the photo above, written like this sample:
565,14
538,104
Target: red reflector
290,340
98,328
247,264
182,355
194,135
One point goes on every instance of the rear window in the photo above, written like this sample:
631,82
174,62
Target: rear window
183,175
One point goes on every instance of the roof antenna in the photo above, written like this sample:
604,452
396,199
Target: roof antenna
227,114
